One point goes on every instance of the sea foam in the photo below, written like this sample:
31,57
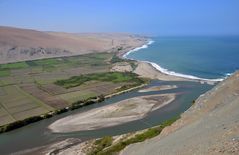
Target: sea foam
138,48
166,71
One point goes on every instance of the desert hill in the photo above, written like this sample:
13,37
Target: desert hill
24,44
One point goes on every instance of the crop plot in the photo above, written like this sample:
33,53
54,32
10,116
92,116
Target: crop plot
77,96
36,87
47,98
2,92
15,104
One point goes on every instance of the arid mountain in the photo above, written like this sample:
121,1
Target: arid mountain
24,44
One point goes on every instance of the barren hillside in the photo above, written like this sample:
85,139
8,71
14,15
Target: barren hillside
24,44
210,126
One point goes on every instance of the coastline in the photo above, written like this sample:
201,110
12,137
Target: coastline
187,117
162,70
166,77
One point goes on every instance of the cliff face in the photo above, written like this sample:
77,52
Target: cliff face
210,126
24,44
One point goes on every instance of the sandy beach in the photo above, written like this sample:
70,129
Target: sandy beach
111,115
152,70
146,70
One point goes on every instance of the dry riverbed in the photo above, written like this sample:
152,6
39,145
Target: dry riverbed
124,111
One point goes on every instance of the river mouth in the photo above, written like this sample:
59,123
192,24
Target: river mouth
38,134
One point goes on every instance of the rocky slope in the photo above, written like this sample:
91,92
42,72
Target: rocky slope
210,126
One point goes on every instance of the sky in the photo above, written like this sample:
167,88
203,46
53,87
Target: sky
151,17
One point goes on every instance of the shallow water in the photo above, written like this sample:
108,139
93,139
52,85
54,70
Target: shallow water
37,134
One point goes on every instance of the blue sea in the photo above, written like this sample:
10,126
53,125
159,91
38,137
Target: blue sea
193,57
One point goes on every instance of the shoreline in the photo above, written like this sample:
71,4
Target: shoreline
173,77
192,108
162,70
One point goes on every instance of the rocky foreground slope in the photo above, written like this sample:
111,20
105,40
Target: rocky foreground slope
210,126
24,44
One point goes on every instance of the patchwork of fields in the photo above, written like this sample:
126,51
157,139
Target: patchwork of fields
33,88
16,104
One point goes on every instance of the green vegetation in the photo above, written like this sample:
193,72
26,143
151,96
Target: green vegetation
101,144
20,123
114,77
28,89
86,102
87,60
15,104
104,142
4,72
116,59
18,65
133,65
33,119
47,62
72,97
5,69
111,149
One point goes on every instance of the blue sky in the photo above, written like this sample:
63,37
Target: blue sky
151,17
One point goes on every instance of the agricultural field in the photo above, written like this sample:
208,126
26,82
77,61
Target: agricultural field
15,105
33,88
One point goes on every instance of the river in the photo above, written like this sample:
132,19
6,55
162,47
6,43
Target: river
37,134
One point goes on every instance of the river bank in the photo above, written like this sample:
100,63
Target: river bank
210,126
73,106
187,92
145,70
209,107
106,145
111,115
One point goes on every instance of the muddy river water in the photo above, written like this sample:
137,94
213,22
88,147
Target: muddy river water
37,134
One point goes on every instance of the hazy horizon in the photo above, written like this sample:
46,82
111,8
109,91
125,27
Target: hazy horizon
154,18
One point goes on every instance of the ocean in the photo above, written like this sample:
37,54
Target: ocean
211,58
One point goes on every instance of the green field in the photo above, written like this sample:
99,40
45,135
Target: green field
17,65
37,87
114,77
4,72
15,105
73,97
